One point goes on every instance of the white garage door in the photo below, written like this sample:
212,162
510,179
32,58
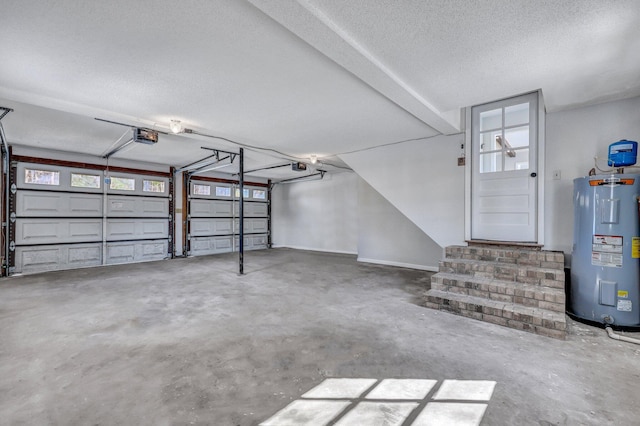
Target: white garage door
68,217
212,216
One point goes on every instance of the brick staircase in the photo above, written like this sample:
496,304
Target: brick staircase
512,286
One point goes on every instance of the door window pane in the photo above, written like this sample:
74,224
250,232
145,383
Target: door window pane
259,194
123,184
517,137
41,177
489,141
490,120
509,136
80,180
517,159
516,114
491,162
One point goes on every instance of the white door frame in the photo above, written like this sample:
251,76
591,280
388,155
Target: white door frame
542,176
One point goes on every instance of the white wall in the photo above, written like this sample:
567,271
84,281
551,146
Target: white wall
317,215
387,237
422,180
344,214
573,138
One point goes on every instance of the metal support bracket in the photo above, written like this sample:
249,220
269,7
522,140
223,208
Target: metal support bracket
320,173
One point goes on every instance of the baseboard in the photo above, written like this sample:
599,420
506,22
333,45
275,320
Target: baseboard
399,264
353,253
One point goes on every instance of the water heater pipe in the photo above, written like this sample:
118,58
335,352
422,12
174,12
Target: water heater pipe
615,336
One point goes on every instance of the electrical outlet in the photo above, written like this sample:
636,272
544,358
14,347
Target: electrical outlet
556,175
460,161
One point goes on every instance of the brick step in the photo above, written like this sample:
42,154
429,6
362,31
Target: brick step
543,259
535,296
527,274
534,320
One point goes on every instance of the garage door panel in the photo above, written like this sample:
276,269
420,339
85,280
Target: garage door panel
85,205
258,242
259,225
252,242
57,231
136,251
221,208
137,207
137,229
254,225
122,253
82,255
211,208
37,258
57,257
154,207
253,209
258,209
210,245
207,227
47,204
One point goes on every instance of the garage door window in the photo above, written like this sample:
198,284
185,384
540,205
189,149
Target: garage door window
85,181
201,189
41,177
245,193
153,186
123,184
259,194
223,191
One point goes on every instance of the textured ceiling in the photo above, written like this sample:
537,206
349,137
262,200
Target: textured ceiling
461,53
299,77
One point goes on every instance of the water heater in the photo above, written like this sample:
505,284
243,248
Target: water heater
605,263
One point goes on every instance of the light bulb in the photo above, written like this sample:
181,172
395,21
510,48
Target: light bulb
314,159
175,126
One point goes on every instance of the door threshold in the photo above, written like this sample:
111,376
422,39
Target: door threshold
505,244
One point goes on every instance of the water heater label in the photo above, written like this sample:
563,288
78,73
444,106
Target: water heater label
606,251
613,240
635,247
624,305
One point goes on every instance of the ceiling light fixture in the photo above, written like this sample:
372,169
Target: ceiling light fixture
175,126
314,158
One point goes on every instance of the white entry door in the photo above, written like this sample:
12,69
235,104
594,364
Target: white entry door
504,170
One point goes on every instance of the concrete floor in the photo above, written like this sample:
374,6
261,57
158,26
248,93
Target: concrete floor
188,341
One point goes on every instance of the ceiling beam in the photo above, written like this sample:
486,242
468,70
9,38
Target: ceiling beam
313,26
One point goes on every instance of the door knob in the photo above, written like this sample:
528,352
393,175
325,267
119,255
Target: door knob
534,174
